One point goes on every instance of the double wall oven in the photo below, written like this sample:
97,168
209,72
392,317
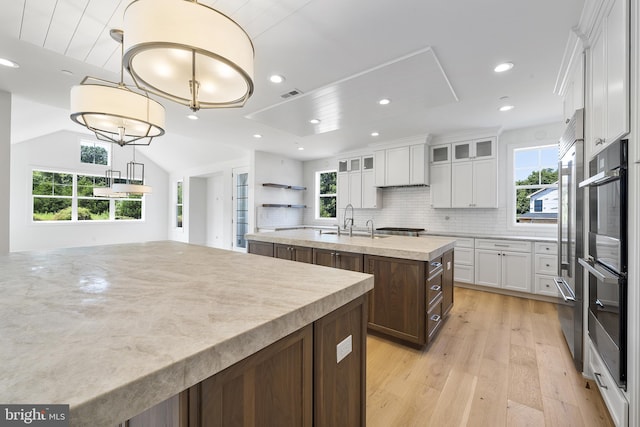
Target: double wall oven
606,264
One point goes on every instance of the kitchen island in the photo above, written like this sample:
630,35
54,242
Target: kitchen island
114,330
413,276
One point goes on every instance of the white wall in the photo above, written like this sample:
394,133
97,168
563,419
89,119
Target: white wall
198,211
277,169
5,167
60,151
411,206
215,211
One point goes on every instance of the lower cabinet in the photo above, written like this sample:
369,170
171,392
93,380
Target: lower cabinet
260,248
336,259
397,302
503,264
313,377
293,253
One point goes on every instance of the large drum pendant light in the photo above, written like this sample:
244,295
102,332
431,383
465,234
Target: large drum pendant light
189,53
114,112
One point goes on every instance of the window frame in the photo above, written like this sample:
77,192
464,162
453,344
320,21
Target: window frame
75,197
178,203
512,225
318,195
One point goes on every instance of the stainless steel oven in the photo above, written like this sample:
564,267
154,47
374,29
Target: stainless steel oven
606,263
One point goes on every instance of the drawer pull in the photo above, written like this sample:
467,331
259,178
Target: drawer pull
501,246
436,317
436,264
598,375
547,265
436,288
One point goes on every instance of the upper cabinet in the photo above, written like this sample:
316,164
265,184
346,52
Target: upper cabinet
356,183
464,174
475,149
398,166
609,63
574,93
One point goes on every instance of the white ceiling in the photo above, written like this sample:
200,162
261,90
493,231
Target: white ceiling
433,58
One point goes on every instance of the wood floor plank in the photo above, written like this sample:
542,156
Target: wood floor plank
498,361
524,381
519,415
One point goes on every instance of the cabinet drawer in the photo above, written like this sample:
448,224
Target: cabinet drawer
546,248
503,245
544,285
464,242
463,256
463,273
611,394
433,266
434,319
546,264
434,289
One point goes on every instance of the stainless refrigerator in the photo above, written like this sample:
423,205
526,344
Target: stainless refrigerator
571,235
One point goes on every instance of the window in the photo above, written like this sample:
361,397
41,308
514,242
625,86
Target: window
179,204
326,185
94,152
59,196
535,173
52,196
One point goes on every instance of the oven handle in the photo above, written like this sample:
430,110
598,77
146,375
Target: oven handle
601,274
559,281
601,178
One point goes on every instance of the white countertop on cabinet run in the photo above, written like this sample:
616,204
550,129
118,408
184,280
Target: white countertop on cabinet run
414,248
113,330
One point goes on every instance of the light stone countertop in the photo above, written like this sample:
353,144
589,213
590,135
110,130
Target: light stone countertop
489,236
113,330
414,248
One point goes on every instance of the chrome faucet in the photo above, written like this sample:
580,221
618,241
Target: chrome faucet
344,225
370,221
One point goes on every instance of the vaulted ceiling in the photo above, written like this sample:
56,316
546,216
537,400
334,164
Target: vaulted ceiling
434,59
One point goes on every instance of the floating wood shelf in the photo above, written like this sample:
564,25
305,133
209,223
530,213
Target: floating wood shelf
282,205
289,187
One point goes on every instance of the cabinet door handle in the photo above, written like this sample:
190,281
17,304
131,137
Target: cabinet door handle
436,288
597,376
600,141
435,317
547,265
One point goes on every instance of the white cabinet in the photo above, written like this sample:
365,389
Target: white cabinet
546,268
399,166
609,62
440,175
503,264
574,93
440,185
463,261
356,184
483,148
474,184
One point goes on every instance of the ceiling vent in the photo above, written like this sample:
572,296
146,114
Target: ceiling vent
294,92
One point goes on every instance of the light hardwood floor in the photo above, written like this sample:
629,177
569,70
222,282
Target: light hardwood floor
498,361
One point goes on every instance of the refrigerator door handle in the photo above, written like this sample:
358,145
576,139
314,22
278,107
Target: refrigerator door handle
560,283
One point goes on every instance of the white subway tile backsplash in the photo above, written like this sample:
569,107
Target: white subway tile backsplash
411,207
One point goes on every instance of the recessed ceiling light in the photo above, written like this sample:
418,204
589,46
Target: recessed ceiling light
8,63
506,108
314,121
505,66
192,116
375,134
257,135
384,101
276,78
300,148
